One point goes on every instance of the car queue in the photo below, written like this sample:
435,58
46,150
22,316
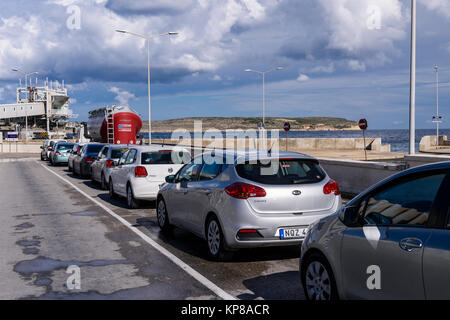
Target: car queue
242,199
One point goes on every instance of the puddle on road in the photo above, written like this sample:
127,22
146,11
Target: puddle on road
30,251
42,264
25,225
85,213
28,243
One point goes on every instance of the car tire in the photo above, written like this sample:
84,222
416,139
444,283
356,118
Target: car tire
69,167
104,184
162,215
112,195
317,278
42,158
132,203
215,240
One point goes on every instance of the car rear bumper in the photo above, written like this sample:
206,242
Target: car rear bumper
267,225
144,189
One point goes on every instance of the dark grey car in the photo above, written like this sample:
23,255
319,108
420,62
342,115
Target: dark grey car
390,242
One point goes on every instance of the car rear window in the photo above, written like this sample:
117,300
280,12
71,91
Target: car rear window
157,157
117,153
65,146
284,171
95,148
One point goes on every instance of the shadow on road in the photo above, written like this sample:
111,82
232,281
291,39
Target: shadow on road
192,245
283,285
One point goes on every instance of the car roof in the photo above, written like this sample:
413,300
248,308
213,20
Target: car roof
156,147
242,155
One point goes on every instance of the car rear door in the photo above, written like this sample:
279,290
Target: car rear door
436,256
382,256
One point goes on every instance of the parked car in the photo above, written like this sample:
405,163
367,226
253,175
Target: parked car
142,169
76,150
390,242
83,161
106,159
47,147
60,153
247,200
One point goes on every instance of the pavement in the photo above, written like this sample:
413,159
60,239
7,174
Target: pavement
52,222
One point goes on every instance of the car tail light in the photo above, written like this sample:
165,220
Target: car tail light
331,187
140,172
109,163
89,159
242,190
57,153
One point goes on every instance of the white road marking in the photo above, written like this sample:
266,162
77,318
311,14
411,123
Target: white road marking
193,273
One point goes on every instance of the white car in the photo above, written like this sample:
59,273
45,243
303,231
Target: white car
104,162
142,169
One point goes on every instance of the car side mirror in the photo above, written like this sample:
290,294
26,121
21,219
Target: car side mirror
170,179
349,215
42,147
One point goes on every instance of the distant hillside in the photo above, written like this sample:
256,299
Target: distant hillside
308,123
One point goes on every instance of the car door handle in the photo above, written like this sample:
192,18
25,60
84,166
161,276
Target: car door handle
408,244
206,191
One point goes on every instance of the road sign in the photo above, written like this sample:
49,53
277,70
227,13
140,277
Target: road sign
362,124
287,126
12,136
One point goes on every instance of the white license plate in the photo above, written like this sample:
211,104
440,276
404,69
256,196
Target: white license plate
292,233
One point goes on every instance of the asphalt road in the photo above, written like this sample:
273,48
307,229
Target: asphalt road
47,225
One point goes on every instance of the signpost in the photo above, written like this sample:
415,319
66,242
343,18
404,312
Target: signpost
363,126
287,127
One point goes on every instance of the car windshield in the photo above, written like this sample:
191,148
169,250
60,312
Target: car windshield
64,146
284,171
94,148
157,157
117,153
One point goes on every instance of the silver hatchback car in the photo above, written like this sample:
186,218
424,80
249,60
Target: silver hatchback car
243,200
390,242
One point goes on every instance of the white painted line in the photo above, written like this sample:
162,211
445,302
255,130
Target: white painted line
196,275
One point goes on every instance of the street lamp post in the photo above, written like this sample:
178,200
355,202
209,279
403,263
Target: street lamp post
147,39
263,73
412,89
437,118
26,84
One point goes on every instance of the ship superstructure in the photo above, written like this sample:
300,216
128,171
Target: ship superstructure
38,106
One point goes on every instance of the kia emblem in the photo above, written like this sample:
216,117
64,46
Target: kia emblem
296,192
170,170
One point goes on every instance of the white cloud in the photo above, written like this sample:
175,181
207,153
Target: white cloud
122,96
302,77
440,6
216,78
356,65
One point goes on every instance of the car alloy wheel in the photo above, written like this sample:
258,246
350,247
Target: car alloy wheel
214,238
131,202
161,214
112,195
318,282
103,181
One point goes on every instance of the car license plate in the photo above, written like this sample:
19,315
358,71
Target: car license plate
292,233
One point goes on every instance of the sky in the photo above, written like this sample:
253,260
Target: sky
341,58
